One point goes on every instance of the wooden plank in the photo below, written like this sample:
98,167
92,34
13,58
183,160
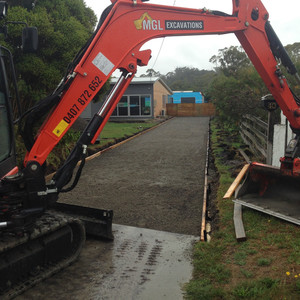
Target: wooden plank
238,223
204,208
203,235
236,182
246,157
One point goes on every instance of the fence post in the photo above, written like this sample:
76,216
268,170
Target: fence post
271,123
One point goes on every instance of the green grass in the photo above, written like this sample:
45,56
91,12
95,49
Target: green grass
247,273
203,289
254,269
114,132
264,262
240,258
265,288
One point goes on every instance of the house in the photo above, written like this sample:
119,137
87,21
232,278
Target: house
180,97
189,104
145,98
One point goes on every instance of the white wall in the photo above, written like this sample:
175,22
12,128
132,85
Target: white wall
279,140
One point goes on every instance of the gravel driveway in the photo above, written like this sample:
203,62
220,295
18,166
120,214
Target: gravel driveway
154,181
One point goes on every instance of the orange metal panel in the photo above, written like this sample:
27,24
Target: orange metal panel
117,46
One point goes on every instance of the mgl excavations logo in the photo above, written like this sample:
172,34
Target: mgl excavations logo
145,22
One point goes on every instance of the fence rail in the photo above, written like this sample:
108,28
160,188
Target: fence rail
191,109
254,133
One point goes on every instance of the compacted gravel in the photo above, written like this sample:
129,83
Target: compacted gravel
154,181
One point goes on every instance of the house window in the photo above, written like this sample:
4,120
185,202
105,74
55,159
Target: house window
188,100
145,105
133,106
123,107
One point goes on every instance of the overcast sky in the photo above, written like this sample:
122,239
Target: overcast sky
196,51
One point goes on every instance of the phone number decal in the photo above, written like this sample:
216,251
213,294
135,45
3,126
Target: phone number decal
82,100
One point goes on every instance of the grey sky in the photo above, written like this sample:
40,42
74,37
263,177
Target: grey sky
196,51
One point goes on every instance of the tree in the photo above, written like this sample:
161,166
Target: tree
230,60
38,74
185,78
236,96
151,73
238,88
294,52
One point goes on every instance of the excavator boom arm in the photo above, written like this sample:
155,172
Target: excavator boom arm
116,45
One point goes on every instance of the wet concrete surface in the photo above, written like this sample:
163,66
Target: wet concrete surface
138,264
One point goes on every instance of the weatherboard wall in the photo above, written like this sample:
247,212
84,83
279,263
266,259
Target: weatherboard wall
144,99
186,97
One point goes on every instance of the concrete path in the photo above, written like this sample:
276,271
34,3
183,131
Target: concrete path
139,264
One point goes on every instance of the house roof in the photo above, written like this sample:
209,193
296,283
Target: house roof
183,92
145,80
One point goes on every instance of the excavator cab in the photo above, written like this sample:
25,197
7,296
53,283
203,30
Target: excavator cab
29,45
7,149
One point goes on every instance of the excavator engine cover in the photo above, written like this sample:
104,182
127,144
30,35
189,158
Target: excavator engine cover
266,189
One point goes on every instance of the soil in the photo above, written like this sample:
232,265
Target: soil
154,181
212,212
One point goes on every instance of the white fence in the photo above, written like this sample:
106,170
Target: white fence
254,133
266,140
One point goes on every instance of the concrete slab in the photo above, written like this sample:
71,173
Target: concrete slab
138,264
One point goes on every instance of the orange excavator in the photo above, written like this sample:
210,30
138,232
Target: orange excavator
36,239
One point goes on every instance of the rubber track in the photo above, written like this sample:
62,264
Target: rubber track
49,222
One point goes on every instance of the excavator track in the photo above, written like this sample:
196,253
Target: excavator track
54,243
